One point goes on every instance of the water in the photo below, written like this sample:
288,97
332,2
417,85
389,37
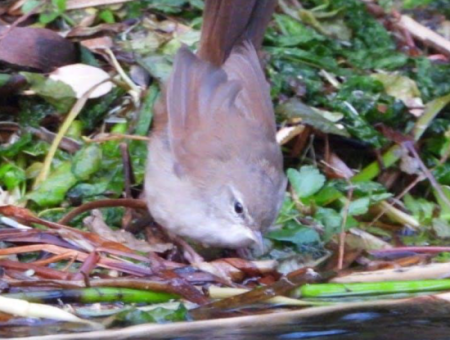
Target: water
419,320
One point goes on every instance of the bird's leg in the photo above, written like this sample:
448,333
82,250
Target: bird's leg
245,253
188,252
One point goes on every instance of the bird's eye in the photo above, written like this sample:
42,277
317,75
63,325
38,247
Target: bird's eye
238,208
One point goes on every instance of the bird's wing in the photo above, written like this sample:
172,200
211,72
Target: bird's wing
217,112
254,99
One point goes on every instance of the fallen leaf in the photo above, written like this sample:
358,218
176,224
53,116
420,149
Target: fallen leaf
294,108
96,44
404,89
288,133
97,225
36,48
82,78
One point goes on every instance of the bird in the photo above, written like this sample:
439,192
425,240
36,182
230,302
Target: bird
214,172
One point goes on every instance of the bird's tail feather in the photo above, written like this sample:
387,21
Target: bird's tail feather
227,22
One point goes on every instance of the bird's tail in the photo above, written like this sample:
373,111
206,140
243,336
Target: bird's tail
227,22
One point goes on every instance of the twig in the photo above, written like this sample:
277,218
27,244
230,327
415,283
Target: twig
129,181
135,91
413,249
108,203
398,197
424,34
427,172
127,169
78,4
344,223
76,109
115,136
419,272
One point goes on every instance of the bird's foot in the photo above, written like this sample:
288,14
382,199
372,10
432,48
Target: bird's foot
189,253
245,253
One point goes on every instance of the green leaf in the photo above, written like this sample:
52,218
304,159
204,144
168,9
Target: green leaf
107,16
48,16
364,188
4,78
95,109
288,211
442,173
32,110
307,181
33,170
293,32
138,153
379,197
11,150
159,66
421,209
11,175
87,161
441,228
293,108
146,111
328,194
337,29
199,4
410,4
29,5
83,191
60,5
398,86
38,148
53,190
445,208
331,220
295,233
57,93
359,206
432,78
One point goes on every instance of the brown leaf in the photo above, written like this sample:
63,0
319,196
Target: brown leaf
39,270
102,28
96,44
36,48
83,239
281,287
97,225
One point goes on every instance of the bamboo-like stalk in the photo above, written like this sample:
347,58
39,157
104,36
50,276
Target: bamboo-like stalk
223,293
319,290
93,295
412,273
34,310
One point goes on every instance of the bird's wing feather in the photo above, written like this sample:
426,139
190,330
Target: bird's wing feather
197,93
254,99
217,112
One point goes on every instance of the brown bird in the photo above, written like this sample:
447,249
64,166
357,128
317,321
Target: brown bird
215,171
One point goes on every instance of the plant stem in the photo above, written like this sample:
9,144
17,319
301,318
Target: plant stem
92,295
371,288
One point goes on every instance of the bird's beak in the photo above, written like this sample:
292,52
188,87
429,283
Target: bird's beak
258,241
